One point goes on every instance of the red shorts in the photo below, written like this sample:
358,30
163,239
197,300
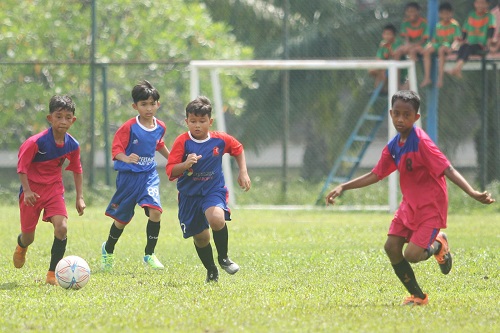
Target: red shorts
424,236
51,201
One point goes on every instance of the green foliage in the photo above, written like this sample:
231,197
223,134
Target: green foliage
301,271
46,48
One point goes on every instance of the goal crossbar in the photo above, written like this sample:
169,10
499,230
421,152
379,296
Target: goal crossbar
392,67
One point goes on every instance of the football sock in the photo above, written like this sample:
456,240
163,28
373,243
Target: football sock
221,239
206,255
405,273
152,232
114,235
433,249
57,252
19,242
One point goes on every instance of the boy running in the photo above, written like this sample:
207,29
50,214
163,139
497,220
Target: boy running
196,163
424,207
40,160
137,182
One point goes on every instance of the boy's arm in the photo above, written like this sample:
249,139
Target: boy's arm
459,180
179,168
132,158
362,181
164,152
29,196
80,204
243,178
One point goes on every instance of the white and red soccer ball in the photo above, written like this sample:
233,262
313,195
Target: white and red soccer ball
72,272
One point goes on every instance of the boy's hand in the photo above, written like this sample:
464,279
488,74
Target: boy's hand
132,158
483,197
30,198
330,198
191,159
80,206
244,181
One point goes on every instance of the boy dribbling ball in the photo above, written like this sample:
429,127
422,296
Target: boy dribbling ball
423,210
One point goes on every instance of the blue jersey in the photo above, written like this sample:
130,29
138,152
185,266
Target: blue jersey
206,175
132,137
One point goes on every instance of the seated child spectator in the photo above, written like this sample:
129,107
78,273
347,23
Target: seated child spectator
495,47
447,36
385,51
414,33
477,35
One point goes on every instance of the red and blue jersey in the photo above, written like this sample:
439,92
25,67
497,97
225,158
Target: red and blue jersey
133,137
41,158
421,167
205,175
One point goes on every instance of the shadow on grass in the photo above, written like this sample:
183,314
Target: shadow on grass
9,286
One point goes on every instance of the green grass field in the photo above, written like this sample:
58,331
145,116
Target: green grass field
301,271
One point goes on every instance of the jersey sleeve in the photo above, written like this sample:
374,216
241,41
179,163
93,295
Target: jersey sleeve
121,140
75,163
385,166
176,156
233,146
26,154
161,142
433,158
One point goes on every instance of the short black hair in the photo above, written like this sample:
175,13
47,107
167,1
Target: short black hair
200,106
143,91
408,96
61,102
390,27
413,5
445,6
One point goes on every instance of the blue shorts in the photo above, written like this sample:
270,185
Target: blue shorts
192,211
142,188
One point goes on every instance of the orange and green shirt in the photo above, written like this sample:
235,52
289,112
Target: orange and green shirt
477,27
414,32
446,33
385,50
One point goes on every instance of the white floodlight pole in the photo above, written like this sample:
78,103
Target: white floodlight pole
221,126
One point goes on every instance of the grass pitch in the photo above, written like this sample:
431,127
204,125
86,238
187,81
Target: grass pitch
301,271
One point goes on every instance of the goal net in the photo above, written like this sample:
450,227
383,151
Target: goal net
353,78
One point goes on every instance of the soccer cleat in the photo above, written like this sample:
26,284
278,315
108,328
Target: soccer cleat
212,275
107,259
444,257
51,278
228,265
415,301
19,257
153,262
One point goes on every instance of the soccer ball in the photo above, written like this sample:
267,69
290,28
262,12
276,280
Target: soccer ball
72,272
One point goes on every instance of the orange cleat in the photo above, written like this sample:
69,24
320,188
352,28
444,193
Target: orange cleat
443,257
415,301
19,257
51,278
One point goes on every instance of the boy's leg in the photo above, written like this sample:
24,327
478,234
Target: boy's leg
23,241
216,218
58,246
152,233
205,253
394,249
108,247
427,56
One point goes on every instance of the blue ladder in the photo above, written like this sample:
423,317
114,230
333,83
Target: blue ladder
349,159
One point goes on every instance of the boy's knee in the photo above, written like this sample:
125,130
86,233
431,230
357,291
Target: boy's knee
153,214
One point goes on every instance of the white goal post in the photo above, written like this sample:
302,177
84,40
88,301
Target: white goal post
214,66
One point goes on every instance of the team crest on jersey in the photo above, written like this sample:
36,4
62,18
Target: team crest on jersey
215,151
114,206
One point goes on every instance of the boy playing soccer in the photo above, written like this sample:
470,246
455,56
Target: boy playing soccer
137,182
196,163
447,35
424,207
39,165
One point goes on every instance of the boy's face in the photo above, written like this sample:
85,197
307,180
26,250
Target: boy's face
388,36
403,116
199,126
412,14
61,120
445,15
147,108
481,6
